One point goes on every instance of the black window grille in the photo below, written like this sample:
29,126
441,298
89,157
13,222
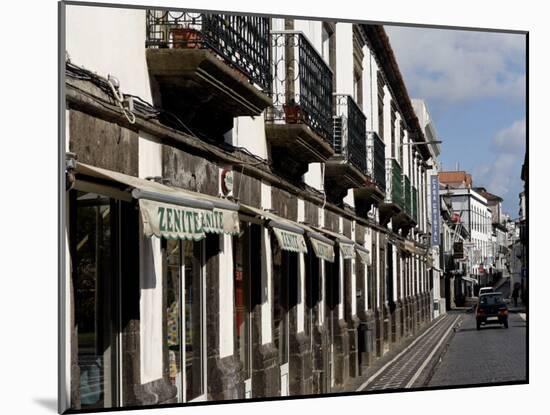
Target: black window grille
302,84
350,139
241,41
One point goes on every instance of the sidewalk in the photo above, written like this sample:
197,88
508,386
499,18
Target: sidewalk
367,371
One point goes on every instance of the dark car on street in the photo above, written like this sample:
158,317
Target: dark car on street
491,309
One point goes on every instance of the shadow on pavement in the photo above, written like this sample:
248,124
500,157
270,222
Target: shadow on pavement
47,403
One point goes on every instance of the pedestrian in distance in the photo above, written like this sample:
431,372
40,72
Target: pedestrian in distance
515,294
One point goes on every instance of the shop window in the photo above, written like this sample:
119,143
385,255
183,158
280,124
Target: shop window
285,296
247,283
93,221
313,291
185,317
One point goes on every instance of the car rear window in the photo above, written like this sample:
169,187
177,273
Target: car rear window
490,299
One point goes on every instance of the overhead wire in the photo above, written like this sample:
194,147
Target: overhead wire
148,111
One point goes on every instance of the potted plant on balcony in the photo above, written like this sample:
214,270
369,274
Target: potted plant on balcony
185,37
293,112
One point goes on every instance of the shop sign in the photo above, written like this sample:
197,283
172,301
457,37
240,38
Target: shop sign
458,250
347,250
436,214
322,250
227,181
290,241
181,222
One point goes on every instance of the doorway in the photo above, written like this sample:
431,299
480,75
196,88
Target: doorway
186,318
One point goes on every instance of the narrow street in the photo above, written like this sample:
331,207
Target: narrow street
451,352
492,354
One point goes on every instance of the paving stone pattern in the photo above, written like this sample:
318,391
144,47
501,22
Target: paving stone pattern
492,354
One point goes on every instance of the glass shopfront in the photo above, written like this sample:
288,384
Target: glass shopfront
247,285
95,291
105,293
185,317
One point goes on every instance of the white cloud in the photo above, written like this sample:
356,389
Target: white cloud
456,65
511,139
501,175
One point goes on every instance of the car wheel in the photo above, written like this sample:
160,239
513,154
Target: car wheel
478,325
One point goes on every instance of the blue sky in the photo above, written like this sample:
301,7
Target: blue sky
474,86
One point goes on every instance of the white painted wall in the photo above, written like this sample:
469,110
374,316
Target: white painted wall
344,58
108,40
314,176
267,270
387,121
371,92
349,199
150,273
312,30
249,132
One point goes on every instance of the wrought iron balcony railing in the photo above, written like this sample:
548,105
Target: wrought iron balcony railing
407,195
415,204
349,137
301,85
241,41
376,156
394,183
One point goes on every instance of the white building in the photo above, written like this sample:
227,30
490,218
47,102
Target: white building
476,217
287,145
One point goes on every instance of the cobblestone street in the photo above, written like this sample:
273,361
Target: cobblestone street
492,354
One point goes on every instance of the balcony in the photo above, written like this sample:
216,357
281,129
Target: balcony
299,124
394,202
415,205
208,68
374,190
407,195
406,219
347,169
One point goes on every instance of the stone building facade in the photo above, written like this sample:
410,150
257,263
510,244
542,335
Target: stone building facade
244,215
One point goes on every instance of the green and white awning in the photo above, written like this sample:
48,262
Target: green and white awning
364,254
347,246
182,222
289,234
323,248
170,212
347,250
290,241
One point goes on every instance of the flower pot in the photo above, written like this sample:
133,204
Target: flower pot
185,38
294,114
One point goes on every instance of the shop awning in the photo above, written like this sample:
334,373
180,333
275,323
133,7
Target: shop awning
322,247
364,253
347,246
412,248
171,212
288,233
469,279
